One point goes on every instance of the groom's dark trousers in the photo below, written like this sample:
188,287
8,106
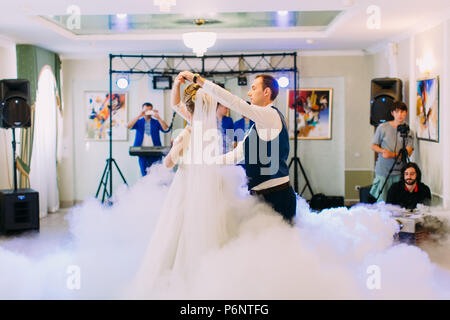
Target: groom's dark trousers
282,199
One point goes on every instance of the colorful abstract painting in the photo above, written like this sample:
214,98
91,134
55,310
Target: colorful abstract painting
427,111
97,116
314,108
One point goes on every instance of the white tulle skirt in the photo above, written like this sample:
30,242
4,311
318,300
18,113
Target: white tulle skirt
197,217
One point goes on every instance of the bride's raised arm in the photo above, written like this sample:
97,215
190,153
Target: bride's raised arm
175,102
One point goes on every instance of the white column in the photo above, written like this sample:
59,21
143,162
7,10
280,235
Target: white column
392,56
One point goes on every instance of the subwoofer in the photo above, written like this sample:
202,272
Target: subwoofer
19,210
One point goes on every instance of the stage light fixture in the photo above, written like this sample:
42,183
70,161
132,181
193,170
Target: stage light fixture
162,82
122,82
242,81
283,82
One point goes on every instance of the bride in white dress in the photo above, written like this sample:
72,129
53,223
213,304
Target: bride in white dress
196,216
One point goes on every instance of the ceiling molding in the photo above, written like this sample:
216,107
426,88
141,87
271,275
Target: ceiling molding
53,27
83,56
340,19
104,55
331,53
228,34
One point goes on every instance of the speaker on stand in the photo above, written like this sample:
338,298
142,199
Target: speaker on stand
383,93
19,208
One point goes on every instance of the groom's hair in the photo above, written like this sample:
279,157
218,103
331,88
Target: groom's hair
269,82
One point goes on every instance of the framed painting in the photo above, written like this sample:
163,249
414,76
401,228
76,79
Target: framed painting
427,109
97,116
314,112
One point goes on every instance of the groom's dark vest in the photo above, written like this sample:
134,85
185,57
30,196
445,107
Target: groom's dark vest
260,164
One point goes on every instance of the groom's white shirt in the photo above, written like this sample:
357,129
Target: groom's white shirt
267,122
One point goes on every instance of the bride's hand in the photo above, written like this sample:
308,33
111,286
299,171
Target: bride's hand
179,79
189,76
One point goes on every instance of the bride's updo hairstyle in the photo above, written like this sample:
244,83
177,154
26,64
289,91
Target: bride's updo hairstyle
189,96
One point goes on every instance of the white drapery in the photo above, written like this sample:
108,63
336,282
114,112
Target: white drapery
43,174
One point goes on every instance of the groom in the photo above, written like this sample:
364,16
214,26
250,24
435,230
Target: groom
265,148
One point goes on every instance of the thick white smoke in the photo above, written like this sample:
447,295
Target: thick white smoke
338,253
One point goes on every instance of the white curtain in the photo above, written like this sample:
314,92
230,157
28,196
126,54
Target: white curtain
43,176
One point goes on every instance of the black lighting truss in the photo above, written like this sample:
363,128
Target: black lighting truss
211,65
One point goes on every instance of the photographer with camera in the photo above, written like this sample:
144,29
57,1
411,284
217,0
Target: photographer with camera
394,143
147,124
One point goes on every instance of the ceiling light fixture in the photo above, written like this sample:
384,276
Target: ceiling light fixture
199,42
164,5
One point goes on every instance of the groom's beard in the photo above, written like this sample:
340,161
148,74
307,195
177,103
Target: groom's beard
410,182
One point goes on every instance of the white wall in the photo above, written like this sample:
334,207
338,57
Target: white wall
430,153
8,70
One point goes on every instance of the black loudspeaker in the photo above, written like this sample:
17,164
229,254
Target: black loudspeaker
19,211
365,196
15,100
383,92
319,201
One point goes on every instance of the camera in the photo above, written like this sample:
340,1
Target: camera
403,129
150,113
